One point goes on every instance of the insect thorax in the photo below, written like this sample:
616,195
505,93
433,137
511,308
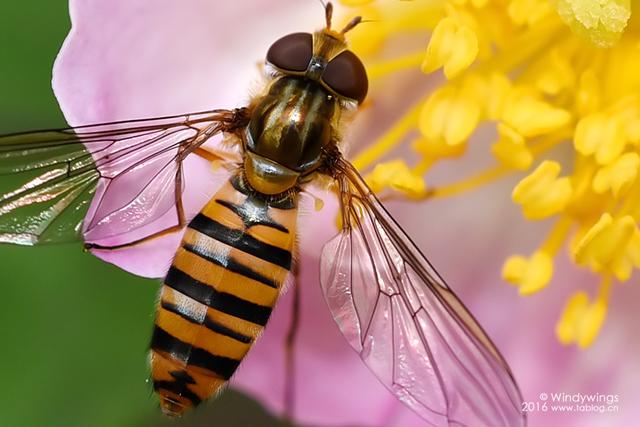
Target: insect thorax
286,133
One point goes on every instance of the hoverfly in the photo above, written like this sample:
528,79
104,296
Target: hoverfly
236,254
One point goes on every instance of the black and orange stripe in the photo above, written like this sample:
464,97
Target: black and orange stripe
219,292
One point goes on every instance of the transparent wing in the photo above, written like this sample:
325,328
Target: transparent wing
407,325
132,170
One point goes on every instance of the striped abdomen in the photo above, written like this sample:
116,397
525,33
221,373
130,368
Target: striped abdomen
219,292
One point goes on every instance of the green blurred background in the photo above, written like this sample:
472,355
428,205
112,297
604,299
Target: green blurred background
74,329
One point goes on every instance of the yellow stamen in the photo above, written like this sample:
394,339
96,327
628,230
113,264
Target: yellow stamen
519,67
453,46
435,149
581,319
530,116
618,176
511,149
397,176
610,246
524,46
450,114
602,135
529,274
542,193
534,273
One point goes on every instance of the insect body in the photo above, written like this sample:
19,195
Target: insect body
236,253
218,294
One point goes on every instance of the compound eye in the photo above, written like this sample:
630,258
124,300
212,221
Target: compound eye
292,52
345,74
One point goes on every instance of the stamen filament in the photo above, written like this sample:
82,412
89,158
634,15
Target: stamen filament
492,174
556,238
423,166
474,182
384,68
550,141
631,205
605,288
390,139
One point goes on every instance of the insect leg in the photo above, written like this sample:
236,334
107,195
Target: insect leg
182,221
228,161
207,155
289,387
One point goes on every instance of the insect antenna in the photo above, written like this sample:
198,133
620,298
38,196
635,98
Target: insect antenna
328,13
352,24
